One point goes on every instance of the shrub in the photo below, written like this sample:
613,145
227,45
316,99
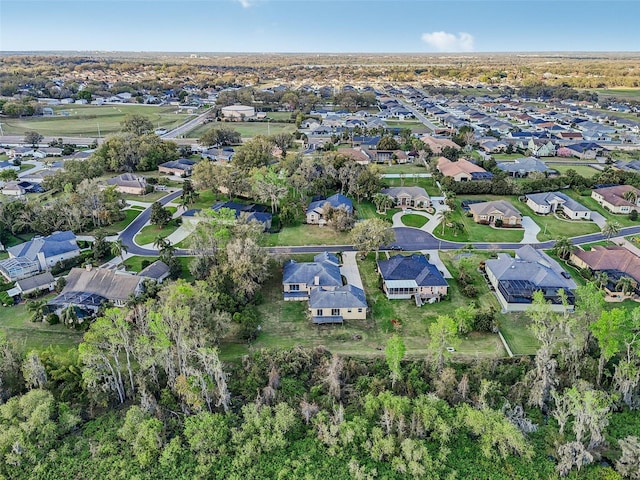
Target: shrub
633,215
145,264
53,319
498,222
470,291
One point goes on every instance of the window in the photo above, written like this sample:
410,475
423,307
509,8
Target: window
348,310
294,288
319,312
335,312
359,310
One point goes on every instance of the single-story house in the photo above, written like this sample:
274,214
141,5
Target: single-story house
218,154
618,198
347,302
489,212
358,155
183,167
521,167
551,202
38,254
7,165
129,183
298,279
88,288
157,271
585,150
462,171
438,144
315,210
43,281
411,276
416,197
515,280
614,260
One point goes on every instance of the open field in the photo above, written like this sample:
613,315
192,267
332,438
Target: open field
429,184
622,93
246,129
149,233
412,125
583,170
307,235
417,167
85,120
16,323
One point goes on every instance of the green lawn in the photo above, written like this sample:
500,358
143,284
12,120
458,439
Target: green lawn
591,204
17,240
413,220
429,184
130,216
148,197
16,323
206,199
307,235
134,264
583,170
622,93
85,120
515,330
246,129
413,125
286,324
149,233
417,167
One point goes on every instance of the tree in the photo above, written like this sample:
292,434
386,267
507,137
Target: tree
442,337
160,216
371,234
220,137
625,284
118,249
189,195
282,141
32,138
444,217
628,464
563,248
33,371
37,308
136,124
610,229
394,352
630,196
254,153
388,143
8,175
382,202
270,187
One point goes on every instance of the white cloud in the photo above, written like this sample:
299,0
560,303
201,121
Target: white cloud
245,3
449,42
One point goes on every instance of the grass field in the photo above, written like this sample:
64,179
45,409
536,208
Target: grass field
429,184
584,170
307,235
627,93
85,120
515,330
417,167
16,323
149,233
246,129
413,220
130,216
134,264
413,125
591,204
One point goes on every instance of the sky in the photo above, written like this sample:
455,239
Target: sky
320,26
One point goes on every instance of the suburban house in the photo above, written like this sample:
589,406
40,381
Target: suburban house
552,202
347,302
251,212
521,167
416,197
463,170
38,254
411,276
618,198
358,155
158,271
498,210
516,279
315,210
438,144
43,281
585,150
129,183
218,154
298,279
88,288
6,165
541,148
614,260
183,167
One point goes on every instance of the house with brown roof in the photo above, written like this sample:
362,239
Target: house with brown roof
462,171
438,144
500,211
618,198
614,260
129,183
416,197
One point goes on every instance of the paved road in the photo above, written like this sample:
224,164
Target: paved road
37,166
187,126
134,227
419,115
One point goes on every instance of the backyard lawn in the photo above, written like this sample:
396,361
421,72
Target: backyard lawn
134,264
413,125
417,167
86,120
304,234
429,184
149,233
16,323
583,170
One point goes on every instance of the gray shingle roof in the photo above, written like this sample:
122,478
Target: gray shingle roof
547,198
347,296
414,192
37,281
415,267
528,164
102,282
336,201
328,273
502,206
57,243
155,271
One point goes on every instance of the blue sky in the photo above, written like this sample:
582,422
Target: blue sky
320,25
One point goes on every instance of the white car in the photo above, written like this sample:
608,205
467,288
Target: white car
451,349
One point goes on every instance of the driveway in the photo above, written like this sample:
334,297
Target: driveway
434,258
349,269
598,218
531,230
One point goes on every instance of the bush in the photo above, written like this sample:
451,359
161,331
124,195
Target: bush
145,264
470,291
498,222
53,319
633,215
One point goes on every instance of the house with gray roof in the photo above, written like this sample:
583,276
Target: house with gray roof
347,302
488,213
183,167
516,279
129,183
43,281
38,254
552,202
416,197
521,167
157,271
405,277
315,210
299,279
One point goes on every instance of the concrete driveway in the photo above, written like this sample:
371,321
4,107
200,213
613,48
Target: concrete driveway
598,218
531,230
349,269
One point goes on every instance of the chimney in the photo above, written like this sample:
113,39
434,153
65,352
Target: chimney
316,280
88,267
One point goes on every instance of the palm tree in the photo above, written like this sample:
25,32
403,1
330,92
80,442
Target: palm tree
564,248
458,227
118,249
625,285
630,196
37,309
601,279
611,229
443,217
68,315
164,246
